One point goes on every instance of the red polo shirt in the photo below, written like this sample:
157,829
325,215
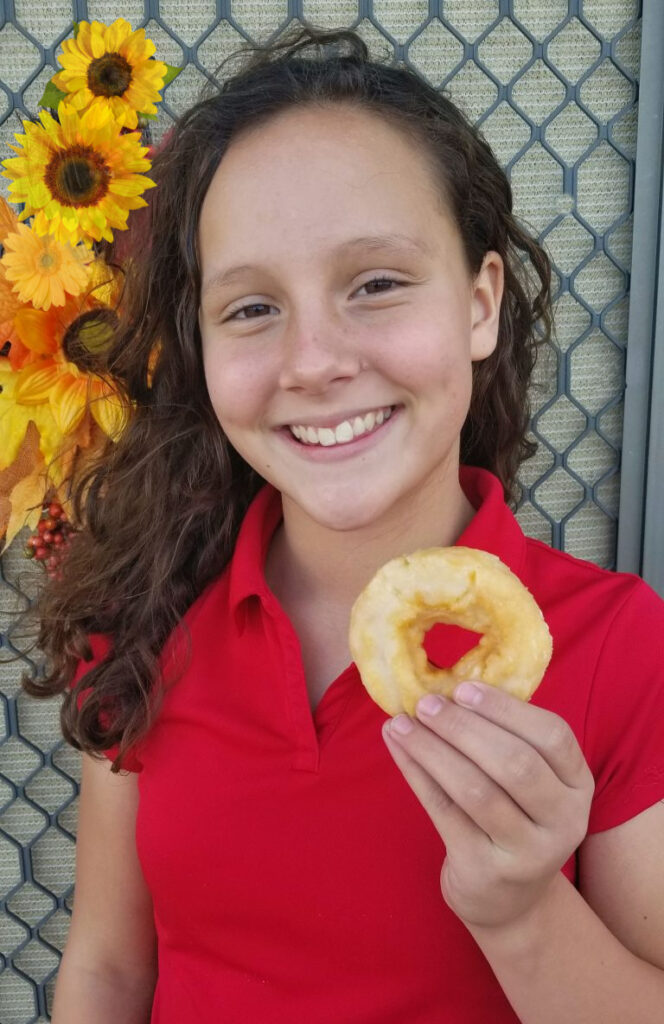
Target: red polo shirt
295,876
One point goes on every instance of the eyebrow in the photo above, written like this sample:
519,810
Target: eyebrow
393,243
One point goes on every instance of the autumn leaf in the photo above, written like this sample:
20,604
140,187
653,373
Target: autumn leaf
9,302
26,500
8,219
27,462
14,419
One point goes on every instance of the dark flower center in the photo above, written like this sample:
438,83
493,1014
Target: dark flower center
88,338
77,176
109,75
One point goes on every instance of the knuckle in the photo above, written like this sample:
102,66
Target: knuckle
577,831
523,767
589,786
588,783
560,741
479,793
572,828
580,833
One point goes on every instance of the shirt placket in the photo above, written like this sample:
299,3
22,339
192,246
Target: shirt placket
306,749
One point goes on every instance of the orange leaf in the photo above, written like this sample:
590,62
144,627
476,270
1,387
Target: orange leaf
19,355
8,219
5,511
9,303
27,457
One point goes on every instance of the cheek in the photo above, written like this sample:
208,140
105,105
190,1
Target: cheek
427,361
236,386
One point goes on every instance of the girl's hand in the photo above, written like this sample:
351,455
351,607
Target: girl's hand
508,789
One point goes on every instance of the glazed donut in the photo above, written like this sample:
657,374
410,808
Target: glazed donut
459,586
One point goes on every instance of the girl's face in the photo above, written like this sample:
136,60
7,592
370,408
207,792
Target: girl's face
338,318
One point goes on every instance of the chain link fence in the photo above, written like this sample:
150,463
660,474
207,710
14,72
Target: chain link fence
553,86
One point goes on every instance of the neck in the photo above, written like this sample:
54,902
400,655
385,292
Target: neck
310,563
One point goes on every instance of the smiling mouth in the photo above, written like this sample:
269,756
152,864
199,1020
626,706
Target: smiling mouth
343,432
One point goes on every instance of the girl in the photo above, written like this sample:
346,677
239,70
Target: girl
344,325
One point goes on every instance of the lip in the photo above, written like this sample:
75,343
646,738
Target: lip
321,453
333,420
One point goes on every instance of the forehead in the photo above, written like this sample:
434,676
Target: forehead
319,175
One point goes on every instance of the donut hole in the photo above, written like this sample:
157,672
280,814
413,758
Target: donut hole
444,644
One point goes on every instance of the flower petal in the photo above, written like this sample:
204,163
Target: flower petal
34,383
68,401
37,330
108,409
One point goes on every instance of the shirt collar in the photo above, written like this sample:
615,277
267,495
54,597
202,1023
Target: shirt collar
247,577
493,528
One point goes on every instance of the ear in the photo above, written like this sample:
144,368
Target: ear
486,298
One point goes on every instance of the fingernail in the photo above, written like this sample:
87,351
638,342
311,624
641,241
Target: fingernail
401,724
468,693
430,704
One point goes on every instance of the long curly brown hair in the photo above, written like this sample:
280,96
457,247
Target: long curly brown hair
159,513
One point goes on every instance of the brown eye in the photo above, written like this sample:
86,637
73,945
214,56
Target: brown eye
250,311
379,281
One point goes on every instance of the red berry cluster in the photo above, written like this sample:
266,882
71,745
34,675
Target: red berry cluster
48,544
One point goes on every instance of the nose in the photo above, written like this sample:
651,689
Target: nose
317,352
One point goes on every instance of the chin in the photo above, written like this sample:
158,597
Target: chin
344,511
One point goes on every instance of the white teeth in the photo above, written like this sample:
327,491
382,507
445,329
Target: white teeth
343,432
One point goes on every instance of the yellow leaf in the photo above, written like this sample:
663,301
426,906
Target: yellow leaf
14,420
51,439
35,383
27,462
68,399
108,409
26,500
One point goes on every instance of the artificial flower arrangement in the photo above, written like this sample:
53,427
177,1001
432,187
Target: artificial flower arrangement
75,179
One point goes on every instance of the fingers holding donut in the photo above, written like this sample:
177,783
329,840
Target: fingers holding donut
506,787
504,782
527,751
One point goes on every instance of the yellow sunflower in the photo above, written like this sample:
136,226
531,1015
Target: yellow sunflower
41,269
81,177
111,66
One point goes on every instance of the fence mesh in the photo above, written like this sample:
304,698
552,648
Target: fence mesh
553,86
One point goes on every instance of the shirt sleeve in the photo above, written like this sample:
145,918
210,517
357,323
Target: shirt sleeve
100,647
625,722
